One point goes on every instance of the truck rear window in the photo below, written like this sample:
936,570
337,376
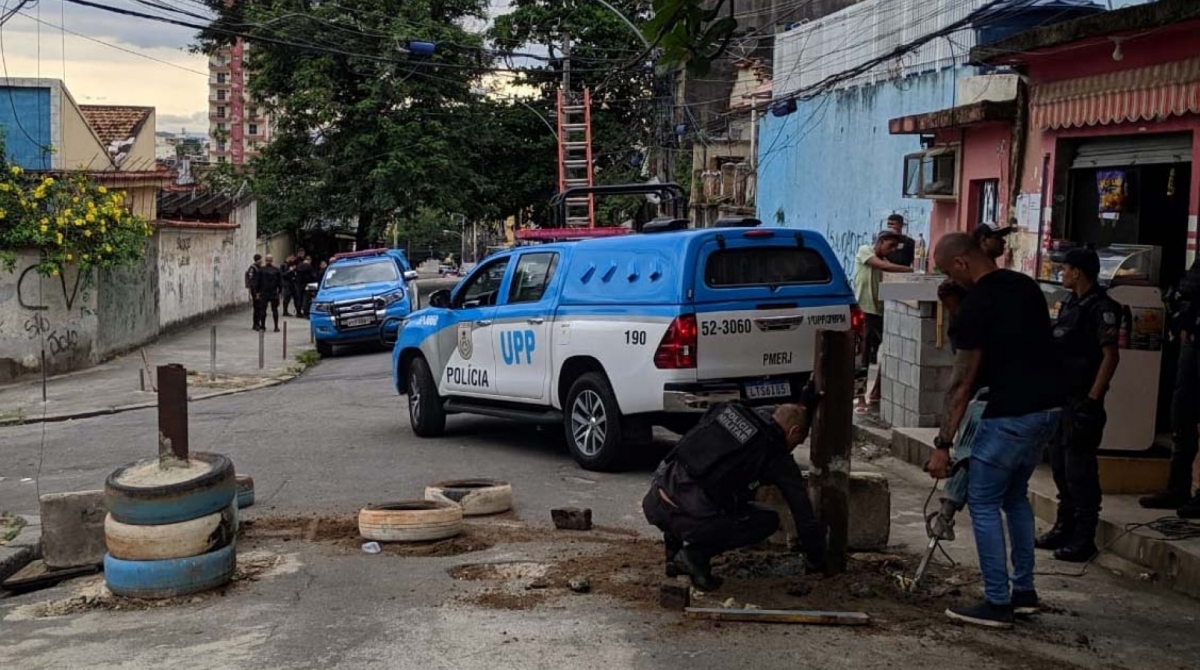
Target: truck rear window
765,266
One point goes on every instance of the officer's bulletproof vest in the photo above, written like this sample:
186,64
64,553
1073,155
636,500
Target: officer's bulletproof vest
1076,340
726,450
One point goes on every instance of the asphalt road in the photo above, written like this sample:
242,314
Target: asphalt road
338,438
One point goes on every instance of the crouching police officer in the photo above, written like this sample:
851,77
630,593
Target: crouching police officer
701,496
1087,330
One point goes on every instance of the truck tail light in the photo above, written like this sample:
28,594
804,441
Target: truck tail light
858,320
858,325
677,350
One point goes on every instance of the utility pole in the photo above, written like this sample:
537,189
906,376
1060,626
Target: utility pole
832,436
566,49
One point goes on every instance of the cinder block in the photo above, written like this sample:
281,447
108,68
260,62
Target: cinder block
914,376
912,399
932,402
886,410
929,331
890,326
572,518
909,351
932,356
73,529
870,512
927,309
675,595
891,368
929,421
911,419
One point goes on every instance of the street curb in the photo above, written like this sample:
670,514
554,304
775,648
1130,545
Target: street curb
104,411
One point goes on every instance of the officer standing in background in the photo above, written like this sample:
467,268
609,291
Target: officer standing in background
1185,403
1086,335
251,278
701,497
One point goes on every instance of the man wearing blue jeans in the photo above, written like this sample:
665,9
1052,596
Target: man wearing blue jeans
1003,342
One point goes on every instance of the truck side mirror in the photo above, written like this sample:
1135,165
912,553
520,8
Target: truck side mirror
411,275
440,298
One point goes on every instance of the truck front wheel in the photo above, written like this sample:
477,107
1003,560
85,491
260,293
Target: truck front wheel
425,411
325,349
592,422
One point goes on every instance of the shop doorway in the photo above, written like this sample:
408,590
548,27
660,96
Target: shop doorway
1135,191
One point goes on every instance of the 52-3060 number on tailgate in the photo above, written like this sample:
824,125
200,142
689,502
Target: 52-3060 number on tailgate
726,327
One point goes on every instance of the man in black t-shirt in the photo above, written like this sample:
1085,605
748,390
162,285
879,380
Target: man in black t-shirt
1004,344
905,251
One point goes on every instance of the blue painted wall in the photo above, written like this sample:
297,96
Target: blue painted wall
25,121
832,166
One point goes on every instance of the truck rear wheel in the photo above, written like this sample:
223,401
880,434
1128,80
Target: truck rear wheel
592,422
425,411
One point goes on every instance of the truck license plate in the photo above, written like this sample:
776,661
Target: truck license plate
764,390
359,321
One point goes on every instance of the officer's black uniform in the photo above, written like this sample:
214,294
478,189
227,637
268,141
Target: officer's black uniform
1185,401
1085,326
268,281
701,496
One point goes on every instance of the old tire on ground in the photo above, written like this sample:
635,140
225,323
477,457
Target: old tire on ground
477,497
592,423
425,411
245,491
173,540
170,577
208,492
410,521
325,349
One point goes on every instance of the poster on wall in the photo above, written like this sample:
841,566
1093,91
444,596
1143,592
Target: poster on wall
1111,186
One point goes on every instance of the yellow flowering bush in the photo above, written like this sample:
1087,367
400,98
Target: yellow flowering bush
69,219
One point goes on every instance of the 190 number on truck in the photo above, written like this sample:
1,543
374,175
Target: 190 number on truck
726,327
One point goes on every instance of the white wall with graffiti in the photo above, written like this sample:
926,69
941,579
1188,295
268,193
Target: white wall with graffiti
201,268
79,319
54,316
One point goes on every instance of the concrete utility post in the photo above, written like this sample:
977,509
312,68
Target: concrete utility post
831,439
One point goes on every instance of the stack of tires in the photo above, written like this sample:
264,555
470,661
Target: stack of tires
171,531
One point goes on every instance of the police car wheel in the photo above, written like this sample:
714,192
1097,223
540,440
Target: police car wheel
592,423
325,349
425,411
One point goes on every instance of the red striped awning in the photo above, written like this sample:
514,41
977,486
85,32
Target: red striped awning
1140,94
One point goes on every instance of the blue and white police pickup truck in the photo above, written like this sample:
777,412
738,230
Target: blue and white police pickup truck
609,337
360,292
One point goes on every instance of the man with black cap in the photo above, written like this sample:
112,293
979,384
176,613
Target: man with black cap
992,239
905,247
702,494
1086,336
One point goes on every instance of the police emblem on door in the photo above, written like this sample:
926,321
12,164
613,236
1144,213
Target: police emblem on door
465,347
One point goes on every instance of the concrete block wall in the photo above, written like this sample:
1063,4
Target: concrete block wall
916,373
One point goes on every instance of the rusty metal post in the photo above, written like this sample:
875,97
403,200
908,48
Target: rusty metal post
832,437
172,414
285,340
262,334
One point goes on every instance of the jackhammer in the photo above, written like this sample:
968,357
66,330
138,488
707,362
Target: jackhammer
939,525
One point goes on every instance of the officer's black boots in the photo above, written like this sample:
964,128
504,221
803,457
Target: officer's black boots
1059,535
695,564
673,544
1190,510
1080,546
1056,538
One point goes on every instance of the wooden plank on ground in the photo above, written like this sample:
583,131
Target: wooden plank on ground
811,617
37,576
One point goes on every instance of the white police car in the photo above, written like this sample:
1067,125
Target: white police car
609,337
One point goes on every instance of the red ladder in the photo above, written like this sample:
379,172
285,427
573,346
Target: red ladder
575,157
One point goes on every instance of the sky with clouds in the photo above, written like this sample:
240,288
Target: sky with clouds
92,56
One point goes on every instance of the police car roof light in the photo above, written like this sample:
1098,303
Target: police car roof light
359,254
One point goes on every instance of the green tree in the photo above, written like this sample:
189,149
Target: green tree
363,131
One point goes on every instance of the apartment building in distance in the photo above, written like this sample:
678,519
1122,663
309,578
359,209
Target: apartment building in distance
238,125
